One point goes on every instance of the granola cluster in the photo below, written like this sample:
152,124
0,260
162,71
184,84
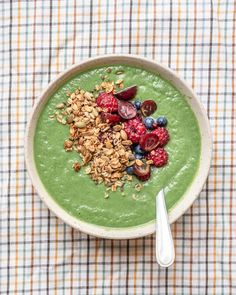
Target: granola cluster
105,149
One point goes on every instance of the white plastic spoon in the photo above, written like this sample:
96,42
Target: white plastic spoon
165,251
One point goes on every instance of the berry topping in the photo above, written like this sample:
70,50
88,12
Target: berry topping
138,150
126,110
148,107
130,170
138,156
161,121
142,171
129,140
137,104
149,142
162,134
149,122
134,129
107,102
159,157
110,118
127,93
154,125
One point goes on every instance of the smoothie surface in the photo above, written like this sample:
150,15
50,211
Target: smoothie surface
78,194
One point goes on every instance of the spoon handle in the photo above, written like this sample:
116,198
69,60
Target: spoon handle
165,251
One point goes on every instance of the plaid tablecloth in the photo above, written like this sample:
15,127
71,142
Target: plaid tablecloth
39,39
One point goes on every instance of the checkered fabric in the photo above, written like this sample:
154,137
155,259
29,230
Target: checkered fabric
39,39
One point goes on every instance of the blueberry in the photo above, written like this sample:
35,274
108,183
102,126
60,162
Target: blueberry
137,104
138,150
130,170
148,122
138,156
161,121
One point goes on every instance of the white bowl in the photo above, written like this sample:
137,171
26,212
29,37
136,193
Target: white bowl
193,190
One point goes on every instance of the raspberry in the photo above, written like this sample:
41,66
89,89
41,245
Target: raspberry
159,157
110,118
107,102
162,134
135,129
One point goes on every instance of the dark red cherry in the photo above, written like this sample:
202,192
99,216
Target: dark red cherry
143,172
127,93
126,110
149,142
148,107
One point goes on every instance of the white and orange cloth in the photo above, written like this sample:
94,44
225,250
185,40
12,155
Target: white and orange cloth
39,39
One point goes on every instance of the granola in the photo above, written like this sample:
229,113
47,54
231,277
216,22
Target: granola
103,148
114,137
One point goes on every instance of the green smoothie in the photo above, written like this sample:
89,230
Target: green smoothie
77,194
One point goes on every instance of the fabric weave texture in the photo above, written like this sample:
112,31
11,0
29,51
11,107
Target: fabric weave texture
39,254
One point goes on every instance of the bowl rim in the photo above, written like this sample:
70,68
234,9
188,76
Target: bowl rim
193,190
